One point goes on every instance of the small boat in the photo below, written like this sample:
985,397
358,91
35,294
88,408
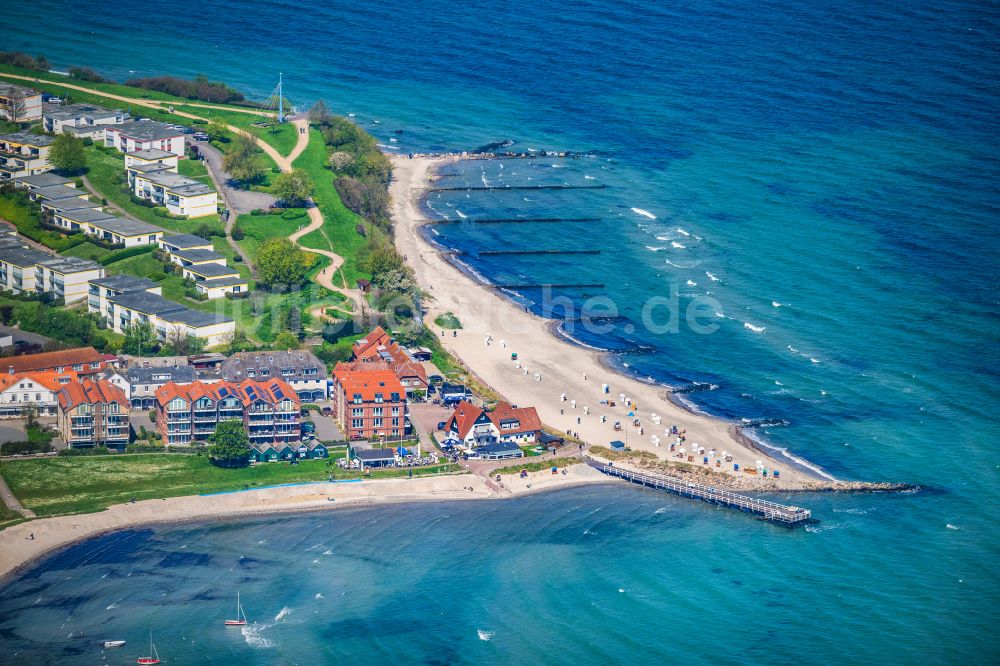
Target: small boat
241,617
155,658
111,644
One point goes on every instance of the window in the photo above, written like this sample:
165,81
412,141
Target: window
395,411
357,398
38,397
379,398
358,411
357,424
95,366
376,411
376,423
395,397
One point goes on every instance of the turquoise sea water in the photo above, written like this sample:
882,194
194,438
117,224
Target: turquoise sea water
826,172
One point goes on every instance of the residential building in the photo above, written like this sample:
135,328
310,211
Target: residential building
151,156
177,242
66,277
81,120
369,401
136,135
17,268
380,347
106,227
473,426
24,154
305,373
207,268
80,361
219,287
58,194
197,257
101,289
28,99
311,450
167,318
45,179
268,410
93,413
52,207
179,194
146,380
208,271
38,388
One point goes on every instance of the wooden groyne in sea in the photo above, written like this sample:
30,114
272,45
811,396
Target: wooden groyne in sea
544,286
489,253
765,509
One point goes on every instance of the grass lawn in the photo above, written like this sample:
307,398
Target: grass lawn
338,233
195,169
107,168
53,486
87,250
26,216
257,229
448,321
546,464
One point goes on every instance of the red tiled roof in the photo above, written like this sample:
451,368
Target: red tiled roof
368,349
50,379
466,414
90,392
368,346
367,379
248,391
65,358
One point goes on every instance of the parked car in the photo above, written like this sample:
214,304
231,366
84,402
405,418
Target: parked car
435,379
308,427
441,425
327,411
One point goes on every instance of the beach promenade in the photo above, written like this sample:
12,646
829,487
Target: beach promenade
549,367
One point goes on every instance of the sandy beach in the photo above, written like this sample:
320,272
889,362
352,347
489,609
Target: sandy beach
18,549
550,366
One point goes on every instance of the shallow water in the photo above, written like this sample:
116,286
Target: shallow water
824,171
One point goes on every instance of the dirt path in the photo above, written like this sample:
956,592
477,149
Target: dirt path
7,495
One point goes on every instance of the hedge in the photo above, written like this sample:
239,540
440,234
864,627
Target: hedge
118,255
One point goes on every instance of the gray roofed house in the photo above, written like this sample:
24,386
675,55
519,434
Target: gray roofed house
223,282
196,318
67,205
197,255
376,457
182,241
145,381
146,303
22,256
146,130
85,215
126,227
57,193
46,179
212,270
174,182
37,140
299,367
151,154
124,283
63,264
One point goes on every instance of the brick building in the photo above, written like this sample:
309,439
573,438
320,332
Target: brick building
369,400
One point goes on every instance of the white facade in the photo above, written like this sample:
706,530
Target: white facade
32,100
67,279
24,389
179,194
146,157
81,116
133,137
23,154
219,288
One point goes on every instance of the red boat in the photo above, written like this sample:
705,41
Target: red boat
241,617
155,659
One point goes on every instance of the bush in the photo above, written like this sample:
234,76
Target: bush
125,254
199,88
87,74
95,451
23,448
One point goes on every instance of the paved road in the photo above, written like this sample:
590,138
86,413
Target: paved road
236,200
12,502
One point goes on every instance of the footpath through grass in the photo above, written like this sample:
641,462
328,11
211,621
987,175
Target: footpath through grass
53,486
339,231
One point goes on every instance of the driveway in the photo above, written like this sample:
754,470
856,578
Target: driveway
12,431
237,201
30,338
425,416
327,429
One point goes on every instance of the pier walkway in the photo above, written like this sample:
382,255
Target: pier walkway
771,511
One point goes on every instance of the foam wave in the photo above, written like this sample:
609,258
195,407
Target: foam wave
251,634
683,265
644,213
711,276
485,635
656,248
782,451
755,329
776,304
677,245
682,232
283,613
692,283
461,214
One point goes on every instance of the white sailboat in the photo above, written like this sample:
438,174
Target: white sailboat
241,617
154,657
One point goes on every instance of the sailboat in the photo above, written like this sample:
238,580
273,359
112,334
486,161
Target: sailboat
155,658
241,617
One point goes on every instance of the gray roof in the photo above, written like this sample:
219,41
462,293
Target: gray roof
7,89
70,264
146,130
125,227
22,256
28,138
375,454
85,215
223,282
46,179
235,367
125,283
183,241
211,270
151,168
182,374
72,111
57,192
198,255
66,205
173,182
151,154
148,303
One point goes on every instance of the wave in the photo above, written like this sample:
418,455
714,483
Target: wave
711,277
461,214
952,527
589,177
682,232
283,613
644,213
319,595
755,329
801,462
251,634
776,304
684,265
485,635
677,245
656,248
692,283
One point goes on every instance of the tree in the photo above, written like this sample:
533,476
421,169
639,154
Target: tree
242,161
230,445
139,339
237,232
286,340
181,344
339,160
293,187
279,261
42,63
319,113
216,131
14,107
67,155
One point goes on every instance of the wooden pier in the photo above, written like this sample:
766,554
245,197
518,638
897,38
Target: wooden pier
766,510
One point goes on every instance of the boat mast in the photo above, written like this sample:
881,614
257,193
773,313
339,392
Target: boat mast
281,102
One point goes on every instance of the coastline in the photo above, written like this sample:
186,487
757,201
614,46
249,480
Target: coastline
18,552
485,312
